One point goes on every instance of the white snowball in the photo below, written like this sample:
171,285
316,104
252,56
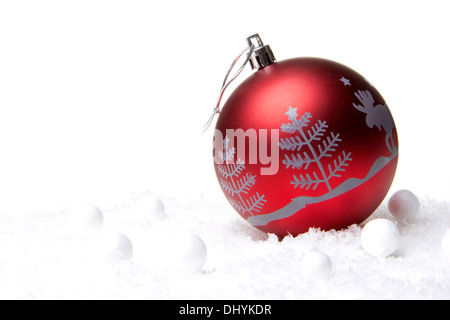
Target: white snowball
86,215
445,243
316,264
186,252
404,205
151,207
114,246
380,238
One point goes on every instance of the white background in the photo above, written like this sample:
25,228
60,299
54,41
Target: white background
101,100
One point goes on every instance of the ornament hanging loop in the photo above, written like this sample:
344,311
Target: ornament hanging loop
226,83
258,55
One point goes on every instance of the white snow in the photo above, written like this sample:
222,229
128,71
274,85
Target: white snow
42,257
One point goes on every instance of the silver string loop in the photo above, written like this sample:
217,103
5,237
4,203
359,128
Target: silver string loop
226,83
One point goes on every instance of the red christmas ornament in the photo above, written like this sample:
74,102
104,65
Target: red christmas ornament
302,143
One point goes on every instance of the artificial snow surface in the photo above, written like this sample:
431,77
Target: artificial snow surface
43,257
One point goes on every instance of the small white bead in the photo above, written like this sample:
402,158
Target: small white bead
150,207
445,243
186,252
404,205
380,238
316,264
86,215
114,246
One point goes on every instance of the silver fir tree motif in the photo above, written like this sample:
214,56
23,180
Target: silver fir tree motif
238,185
312,147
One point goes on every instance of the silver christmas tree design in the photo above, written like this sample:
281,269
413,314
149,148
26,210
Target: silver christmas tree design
312,147
236,184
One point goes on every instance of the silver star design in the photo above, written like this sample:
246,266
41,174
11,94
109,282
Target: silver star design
292,113
225,143
345,81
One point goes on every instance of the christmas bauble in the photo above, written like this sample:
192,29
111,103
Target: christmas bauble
302,143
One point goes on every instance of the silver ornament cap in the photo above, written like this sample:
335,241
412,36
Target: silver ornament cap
262,55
